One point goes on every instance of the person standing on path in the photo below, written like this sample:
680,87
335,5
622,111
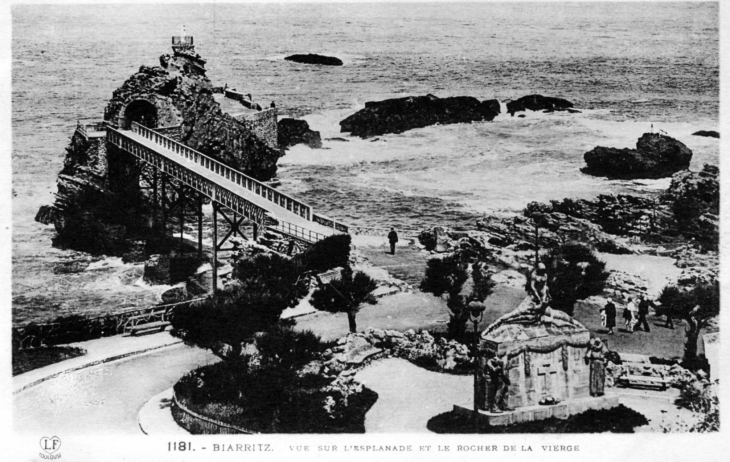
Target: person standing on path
633,315
392,238
644,305
609,312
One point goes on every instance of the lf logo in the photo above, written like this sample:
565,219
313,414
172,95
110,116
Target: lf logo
50,446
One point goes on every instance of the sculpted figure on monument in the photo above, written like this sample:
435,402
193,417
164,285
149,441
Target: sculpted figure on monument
537,310
498,384
596,357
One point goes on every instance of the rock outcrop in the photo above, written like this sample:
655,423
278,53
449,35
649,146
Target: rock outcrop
99,206
538,103
402,114
315,59
293,132
696,204
655,156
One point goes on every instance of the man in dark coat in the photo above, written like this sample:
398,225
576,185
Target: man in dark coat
610,311
644,305
392,238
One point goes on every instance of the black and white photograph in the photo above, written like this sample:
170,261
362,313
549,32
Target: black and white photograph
363,231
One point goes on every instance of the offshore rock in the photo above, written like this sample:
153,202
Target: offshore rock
655,156
294,131
315,59
402,114
708,133
538,103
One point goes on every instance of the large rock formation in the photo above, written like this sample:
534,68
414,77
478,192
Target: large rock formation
401,114
294,131
538,103
100,207
696,204
315,59
655,156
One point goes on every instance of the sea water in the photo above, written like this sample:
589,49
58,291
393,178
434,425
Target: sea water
627,67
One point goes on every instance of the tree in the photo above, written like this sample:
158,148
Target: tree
345,295
331,252
537,212
263,287
447,276
697,306
574,273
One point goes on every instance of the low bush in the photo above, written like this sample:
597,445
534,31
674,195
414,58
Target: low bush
619,419
35,358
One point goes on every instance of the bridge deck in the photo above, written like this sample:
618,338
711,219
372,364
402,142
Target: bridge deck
279,213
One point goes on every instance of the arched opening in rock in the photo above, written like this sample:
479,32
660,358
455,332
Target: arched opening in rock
140,111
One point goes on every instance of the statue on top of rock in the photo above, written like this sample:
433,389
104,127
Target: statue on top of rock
535,309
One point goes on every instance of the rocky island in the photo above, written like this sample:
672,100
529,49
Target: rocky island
315,59
402,114
655,156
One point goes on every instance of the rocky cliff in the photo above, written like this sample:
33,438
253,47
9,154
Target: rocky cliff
655,156
99,207
401,114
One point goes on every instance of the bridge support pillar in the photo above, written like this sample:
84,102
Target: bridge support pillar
200,227
214,279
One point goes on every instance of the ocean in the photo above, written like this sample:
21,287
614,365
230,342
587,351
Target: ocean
625,66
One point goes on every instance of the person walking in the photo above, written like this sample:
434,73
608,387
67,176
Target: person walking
644,305
609,314
392,238
627,318
633,315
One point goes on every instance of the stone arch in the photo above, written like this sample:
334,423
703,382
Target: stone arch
142,111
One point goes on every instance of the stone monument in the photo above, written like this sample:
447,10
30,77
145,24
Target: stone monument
546,366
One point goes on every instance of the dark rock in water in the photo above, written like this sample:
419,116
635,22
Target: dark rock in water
294,131
709,133
337,139
70,267
538,103
655,156
521,116
401,114
315,59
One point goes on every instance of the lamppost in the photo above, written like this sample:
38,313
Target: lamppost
476,313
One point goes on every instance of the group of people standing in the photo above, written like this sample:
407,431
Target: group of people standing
634,314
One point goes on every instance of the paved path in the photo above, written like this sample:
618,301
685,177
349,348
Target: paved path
105,398
97,351
408,396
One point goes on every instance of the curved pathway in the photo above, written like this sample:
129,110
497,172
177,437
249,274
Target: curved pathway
105,398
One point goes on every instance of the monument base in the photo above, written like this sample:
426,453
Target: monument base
539,412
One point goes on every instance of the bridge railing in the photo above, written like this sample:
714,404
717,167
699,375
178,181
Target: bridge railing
260,189
297,231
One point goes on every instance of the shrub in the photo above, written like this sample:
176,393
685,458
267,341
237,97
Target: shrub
331,252
266,285
345,295
697,306
574,273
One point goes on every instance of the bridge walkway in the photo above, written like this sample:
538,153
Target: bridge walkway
225,184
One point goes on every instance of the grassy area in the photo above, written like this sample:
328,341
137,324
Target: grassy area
620,419
35,358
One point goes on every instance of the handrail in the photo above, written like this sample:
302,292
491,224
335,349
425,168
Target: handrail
282,200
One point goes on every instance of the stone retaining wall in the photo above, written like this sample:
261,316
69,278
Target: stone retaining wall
197,424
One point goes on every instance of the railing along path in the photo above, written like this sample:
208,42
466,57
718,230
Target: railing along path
247,196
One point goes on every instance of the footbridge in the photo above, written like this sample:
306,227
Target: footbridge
228,189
